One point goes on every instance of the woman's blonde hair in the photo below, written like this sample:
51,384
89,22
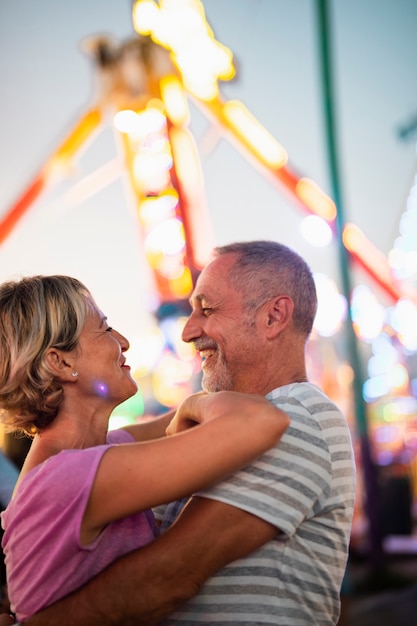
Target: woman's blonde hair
36,313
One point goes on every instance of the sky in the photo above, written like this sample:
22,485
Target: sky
47,82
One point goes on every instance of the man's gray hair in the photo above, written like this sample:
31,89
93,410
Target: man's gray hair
264,269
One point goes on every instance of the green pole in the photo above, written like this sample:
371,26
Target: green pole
372,502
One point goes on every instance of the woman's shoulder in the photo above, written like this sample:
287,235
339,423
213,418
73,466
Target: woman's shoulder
120,435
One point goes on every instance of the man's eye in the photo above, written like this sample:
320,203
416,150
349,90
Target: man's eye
109,329
205,310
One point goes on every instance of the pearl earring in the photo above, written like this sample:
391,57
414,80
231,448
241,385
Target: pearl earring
75,374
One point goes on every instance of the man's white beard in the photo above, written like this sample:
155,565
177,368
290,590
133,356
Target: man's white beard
217,378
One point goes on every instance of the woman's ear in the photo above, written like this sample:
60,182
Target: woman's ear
59,364
279,313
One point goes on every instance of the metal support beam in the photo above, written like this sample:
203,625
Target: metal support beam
372,500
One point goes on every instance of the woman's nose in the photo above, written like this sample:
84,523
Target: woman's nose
124,343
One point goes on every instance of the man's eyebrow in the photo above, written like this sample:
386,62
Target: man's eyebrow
197,298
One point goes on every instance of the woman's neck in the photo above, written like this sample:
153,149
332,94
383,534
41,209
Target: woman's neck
65,433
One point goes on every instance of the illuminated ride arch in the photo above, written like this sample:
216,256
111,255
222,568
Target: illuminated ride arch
143,84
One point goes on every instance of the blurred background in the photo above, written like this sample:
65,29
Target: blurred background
136,136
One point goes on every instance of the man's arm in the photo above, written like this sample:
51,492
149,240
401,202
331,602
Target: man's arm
150,583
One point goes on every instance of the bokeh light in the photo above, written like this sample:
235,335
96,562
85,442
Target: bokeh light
332,306
316,231
404,321
368,315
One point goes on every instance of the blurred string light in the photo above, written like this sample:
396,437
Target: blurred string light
404,321
315,199
403,256
368,315
386,373
400,408
155,210
392,334
316,231
371,259
172,327
150,161
394,427
253,134
181,27
384,358
332,307
175,100
389,442
139,125
145,351
171,379
190,181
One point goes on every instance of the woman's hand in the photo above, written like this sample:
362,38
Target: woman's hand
203,407
187,415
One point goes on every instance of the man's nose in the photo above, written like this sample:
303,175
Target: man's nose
191,330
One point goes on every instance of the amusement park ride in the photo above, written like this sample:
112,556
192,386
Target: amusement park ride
144,86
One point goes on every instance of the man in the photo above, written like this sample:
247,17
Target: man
272,540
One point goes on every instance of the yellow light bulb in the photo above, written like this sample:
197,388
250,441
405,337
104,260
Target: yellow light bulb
256,137
315,199
175,101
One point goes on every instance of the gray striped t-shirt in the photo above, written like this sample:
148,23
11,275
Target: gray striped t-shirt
305,486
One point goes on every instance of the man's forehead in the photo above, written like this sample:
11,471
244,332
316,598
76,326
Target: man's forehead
207,290
214,280
218,267
213,275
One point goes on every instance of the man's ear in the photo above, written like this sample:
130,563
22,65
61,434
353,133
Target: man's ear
59,364
278,314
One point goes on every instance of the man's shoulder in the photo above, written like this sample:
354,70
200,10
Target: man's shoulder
299,390
306,395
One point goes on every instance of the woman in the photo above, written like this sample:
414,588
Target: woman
81,500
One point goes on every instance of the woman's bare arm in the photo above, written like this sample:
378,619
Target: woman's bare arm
135,477
150,429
